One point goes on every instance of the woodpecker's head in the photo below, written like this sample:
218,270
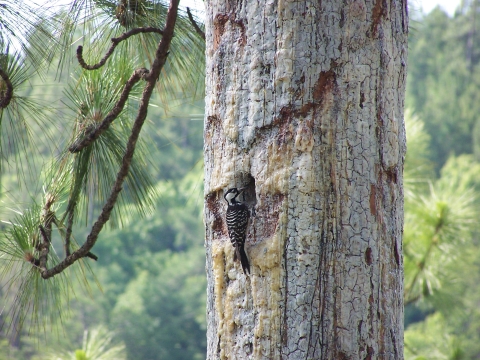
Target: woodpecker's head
231,195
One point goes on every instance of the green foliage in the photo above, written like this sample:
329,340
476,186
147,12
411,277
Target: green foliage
97,344
16,133
25,47
440,257
443,81
417,166
435,225
26,27
164,186
164,308
428,340
74,180
179,139
175,226
460,172
101,20
440,234
24,286
7,352
91,97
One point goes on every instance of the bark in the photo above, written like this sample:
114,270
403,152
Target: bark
304,105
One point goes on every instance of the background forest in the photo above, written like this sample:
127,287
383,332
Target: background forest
147,297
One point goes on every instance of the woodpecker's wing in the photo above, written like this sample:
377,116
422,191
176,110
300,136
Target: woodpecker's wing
237,220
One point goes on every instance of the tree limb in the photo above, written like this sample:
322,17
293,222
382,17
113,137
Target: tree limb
5,97
92,256
68,233
422,264
115,42
151,77
45,245
195,25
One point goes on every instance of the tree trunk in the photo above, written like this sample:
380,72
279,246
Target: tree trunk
304,106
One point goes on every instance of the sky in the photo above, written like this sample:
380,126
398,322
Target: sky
428,5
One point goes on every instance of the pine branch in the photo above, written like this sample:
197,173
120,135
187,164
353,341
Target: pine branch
45,245
92,256
68,233
151,78
195,25
115,42
95,133
5,96
422,264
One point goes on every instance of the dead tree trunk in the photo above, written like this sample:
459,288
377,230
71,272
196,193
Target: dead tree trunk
304,105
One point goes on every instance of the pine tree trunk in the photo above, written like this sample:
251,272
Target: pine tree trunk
304,106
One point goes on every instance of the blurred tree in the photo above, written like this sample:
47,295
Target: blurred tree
428,340
97,345
440,255
443,81
161,313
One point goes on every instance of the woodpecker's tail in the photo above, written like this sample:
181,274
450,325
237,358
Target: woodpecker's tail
242,255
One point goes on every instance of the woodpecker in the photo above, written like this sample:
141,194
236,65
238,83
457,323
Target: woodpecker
237,221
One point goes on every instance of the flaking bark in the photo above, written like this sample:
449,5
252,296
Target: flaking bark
304,104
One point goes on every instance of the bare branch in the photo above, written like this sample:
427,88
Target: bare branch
115,42
92,256
91,136
195,25
5,94
68,233
151,77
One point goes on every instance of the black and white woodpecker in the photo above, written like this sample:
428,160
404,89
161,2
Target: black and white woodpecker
237,221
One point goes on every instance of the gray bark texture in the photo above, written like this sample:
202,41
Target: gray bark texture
304,107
